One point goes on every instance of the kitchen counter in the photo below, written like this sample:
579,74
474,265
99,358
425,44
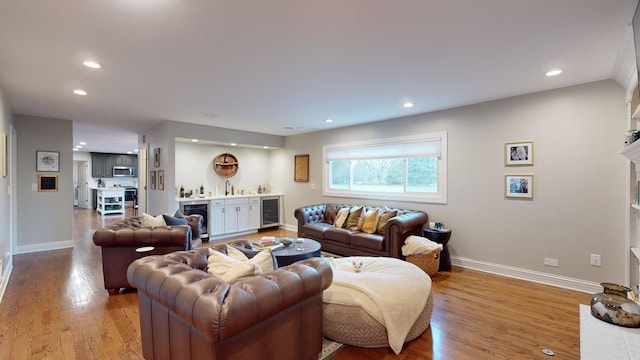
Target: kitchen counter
206,198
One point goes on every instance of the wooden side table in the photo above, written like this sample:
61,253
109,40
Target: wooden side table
441,237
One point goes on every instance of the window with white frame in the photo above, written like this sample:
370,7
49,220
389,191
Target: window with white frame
410,168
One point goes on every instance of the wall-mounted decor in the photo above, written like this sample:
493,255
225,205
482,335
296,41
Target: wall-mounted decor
47,183
153,179
225,165
518,153
156,157
518,186
4,154
160,179
301,168
47,161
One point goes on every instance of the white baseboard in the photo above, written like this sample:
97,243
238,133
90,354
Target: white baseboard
588,287
5,278
26,249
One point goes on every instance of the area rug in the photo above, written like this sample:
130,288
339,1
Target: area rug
329,349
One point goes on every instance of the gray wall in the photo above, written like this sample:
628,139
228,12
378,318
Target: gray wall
579,186
44,218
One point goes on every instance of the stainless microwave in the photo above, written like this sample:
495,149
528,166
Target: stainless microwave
124,171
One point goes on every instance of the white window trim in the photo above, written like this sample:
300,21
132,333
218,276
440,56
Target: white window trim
438,198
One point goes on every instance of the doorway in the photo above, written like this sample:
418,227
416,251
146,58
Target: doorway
81,186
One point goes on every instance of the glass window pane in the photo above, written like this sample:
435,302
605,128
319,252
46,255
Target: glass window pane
422,174
339,176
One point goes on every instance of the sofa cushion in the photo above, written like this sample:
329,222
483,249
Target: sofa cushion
341,218
171,221
264,259
330,213
230,269
369,241
353,221
151,221
338,234
316,230
385,216
370,221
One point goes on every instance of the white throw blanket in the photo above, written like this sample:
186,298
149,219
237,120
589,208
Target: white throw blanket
418,245
392,291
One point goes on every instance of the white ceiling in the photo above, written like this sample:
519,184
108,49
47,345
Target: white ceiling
282,66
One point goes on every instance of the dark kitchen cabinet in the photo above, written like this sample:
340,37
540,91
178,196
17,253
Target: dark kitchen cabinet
102,163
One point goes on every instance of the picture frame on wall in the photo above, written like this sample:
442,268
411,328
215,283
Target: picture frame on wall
518,153
152,179
47,183
160,179
518,186
47,161
301,168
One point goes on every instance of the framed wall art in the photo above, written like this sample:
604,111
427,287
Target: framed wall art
47,183
518,153
156,157
152,179
47,161
301,168
518,186
160,179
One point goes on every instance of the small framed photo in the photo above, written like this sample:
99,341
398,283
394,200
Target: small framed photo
518,153
518,186
47,161
160,179
156,157
153,179
47,183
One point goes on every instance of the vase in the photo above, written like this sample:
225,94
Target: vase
613,306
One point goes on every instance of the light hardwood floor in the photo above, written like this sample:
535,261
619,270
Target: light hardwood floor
56,307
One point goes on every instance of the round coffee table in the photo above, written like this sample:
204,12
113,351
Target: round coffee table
289,254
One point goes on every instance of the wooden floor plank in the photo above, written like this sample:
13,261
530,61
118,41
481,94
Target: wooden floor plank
56,307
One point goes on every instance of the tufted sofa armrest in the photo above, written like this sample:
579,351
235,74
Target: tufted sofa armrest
180,283
309,215
402,226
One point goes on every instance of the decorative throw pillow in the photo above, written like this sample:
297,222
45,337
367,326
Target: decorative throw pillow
229,269
178,214
370,223
342,217
263,259
330,213
151,221
170,220
354,218
385,216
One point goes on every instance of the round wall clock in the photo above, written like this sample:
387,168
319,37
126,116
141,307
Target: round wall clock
225,165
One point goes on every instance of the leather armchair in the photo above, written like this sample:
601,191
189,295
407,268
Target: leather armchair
186,313
118,243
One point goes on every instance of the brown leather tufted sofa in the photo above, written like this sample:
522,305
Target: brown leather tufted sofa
186,313
316,222
119,241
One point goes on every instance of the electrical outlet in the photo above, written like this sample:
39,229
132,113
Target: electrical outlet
596,260
551,262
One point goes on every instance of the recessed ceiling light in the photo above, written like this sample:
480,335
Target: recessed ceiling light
265,147
78,146
79,92
553,72
74,149
194,140
92,64
129,152
328,120
233,144
82,143
408,104
135,150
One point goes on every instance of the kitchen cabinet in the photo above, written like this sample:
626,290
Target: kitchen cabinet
254,213
102,163
110,201
236,215
216,218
